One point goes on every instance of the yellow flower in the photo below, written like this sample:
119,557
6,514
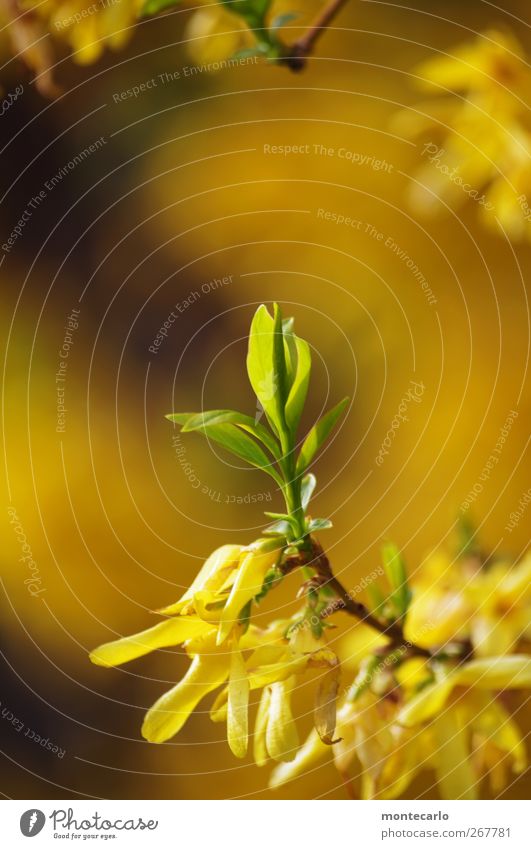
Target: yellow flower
88,28
497,744
214,34
479,138
208,671
460,706
223,650
495,673
371,743
219,568
455,726
438,601
455,600
500,597
275,667
255,563
210,608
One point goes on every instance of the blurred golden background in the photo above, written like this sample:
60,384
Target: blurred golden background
186,207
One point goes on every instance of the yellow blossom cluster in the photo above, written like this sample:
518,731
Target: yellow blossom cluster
225,653
401,715
405,715
476,132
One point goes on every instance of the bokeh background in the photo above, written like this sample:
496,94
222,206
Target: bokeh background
117,513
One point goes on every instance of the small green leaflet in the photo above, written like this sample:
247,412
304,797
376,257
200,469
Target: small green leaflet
318,435
376,598
238,443
266,365
281,529
308,484
284,518
397,576
319,525
300,353
252,11
281,20
198,421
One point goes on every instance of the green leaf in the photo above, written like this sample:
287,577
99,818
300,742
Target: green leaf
284,517
196,421
318,435
252,11
248,52
308,484
467,537
280,529
152,7
290,350
376,598
397,576
282,20
319,525
237,442
299,385
269,581
266,365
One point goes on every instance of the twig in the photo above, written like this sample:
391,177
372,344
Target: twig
393,631
297,53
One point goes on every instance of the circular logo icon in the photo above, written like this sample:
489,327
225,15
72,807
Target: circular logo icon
31,822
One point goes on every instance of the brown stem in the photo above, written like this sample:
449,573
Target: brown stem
394,632
297,54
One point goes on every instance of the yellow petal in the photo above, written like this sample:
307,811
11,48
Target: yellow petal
259,740
172,632
429,115
428,702
270,673
211,576
207,642
238,706
214,34
218,711
497,673
282,739
455,776
400,770
474,65
492,635
445,611
206,606
170,712
358,643
249,581
411,673
311,754
494,723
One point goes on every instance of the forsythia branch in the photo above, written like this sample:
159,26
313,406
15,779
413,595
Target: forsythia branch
298,52
394,631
